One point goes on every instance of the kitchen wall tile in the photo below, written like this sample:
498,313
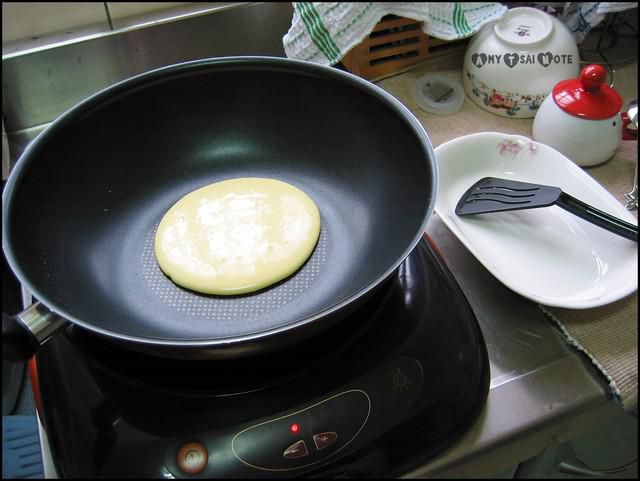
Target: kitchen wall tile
25,20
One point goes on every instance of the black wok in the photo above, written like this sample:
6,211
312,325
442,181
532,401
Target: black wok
81,207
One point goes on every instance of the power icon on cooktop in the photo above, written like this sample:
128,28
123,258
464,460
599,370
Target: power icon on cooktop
322,440
192,458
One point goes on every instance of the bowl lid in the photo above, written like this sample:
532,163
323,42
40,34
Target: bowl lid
588,96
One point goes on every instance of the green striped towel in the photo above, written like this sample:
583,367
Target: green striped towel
323,32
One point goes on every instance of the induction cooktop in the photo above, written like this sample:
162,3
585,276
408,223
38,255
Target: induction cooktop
383,391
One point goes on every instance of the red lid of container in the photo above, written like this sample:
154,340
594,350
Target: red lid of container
588,96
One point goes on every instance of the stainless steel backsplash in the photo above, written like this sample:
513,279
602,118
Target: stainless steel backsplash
40,85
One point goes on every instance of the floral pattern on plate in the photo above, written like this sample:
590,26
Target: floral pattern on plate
513,147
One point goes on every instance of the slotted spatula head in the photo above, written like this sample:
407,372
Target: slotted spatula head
491,194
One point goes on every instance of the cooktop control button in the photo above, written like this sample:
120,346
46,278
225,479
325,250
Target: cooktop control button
322,440
296,450
262,446
192,458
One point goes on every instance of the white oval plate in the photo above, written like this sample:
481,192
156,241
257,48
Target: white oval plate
547,254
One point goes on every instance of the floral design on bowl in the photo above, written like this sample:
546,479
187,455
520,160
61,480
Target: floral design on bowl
511,102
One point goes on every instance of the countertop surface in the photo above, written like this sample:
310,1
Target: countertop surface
542,390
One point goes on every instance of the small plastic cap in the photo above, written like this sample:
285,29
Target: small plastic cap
438,94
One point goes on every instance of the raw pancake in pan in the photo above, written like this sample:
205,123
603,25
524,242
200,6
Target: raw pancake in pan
237,236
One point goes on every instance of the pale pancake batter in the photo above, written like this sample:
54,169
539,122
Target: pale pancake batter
237,236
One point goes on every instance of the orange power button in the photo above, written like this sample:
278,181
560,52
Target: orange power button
192,458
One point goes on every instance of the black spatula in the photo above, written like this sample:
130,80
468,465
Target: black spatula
492,194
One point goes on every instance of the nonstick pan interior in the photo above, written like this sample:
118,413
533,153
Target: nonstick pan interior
87,196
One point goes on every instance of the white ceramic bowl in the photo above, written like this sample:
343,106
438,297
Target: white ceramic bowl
512,64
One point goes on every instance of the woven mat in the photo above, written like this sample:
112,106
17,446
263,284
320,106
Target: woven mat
608,334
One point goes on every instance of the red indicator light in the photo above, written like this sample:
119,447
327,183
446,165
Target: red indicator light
295,428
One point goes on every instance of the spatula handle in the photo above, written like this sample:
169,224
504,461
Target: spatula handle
597,217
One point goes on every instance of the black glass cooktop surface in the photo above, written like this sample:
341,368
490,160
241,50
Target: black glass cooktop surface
380,393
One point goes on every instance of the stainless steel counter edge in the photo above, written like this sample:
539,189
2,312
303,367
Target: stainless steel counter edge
516,425
542,391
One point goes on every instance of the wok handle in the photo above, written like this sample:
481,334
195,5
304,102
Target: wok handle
598,217
24,333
